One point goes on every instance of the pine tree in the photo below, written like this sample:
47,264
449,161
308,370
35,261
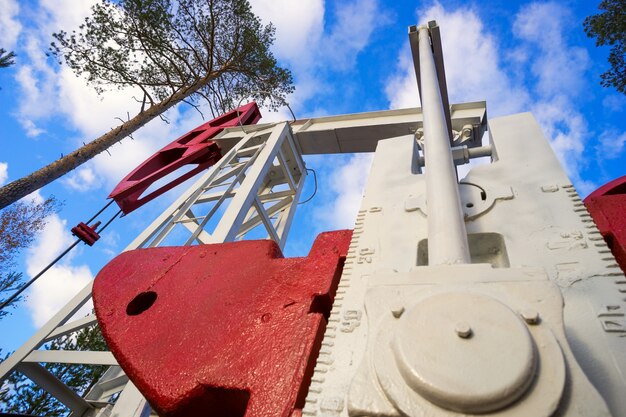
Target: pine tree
173,51
609,28
6,58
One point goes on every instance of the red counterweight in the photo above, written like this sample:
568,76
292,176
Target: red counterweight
221,330
194,147
607,206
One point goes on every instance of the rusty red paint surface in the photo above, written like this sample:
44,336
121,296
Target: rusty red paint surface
194,147
607,206
224,330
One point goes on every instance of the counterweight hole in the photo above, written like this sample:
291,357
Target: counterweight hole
141,303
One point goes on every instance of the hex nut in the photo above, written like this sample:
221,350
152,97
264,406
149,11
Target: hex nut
530,316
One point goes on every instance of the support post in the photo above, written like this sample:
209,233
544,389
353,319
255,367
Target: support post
447,237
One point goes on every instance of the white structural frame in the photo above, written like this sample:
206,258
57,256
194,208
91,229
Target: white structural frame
257,182
272,156
240,190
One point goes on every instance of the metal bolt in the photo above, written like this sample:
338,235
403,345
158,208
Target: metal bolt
530,316
397,311
467,132
463,330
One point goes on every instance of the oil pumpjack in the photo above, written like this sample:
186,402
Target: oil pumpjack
493,295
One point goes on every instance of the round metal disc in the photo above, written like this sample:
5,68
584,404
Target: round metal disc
465,352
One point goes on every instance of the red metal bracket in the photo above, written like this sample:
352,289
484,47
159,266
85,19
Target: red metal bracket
86,233
224,330
194,147
607,206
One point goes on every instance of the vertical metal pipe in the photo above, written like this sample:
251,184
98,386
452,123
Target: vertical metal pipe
447,237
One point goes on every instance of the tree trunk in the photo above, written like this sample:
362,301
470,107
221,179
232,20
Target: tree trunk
20,188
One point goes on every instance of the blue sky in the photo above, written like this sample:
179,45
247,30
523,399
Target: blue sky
346,56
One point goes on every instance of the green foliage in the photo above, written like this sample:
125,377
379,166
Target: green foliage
9,282
167,46
20,395
19,224
609,28
6,58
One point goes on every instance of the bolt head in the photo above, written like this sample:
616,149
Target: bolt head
463,330
397,311
530,316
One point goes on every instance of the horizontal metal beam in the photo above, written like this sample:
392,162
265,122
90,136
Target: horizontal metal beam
40,376
72,327
71,356
38,338
360,132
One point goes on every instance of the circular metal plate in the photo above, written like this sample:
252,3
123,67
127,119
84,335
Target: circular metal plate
465,352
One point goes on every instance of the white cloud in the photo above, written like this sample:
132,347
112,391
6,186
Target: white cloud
345,185
37,81
54,290
127,155
32,130
10,27
614,102
92,113
4,172
558,70
566,130
298,24
310,50
110,240
61,282
65,14
301,38
558,66
51,241
32,94
281,115
401,88
611,144
351,33
34,197
472,64
82,179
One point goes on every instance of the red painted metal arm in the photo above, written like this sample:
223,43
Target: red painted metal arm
222,330
607,206
194,147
